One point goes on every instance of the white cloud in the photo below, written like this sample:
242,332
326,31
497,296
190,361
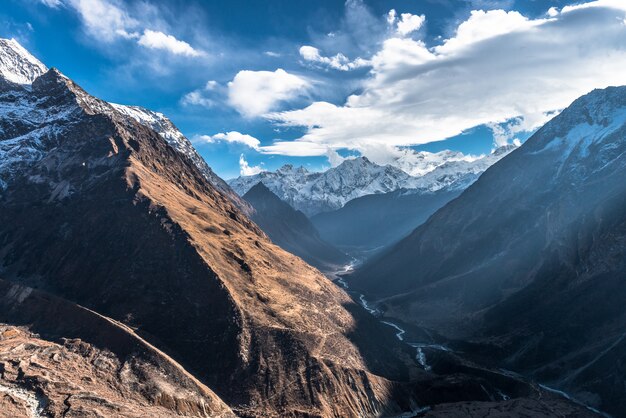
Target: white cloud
337,62
406,24
232,137
52,3
483,25
105,20
246,169
159,40
110,20
497,67
204,96
553,12
253,93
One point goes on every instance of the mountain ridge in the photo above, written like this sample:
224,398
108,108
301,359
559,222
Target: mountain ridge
292,230
318,192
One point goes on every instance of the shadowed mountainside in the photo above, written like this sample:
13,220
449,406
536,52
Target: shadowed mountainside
527,265
292,230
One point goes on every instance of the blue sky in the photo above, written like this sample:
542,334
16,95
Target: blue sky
310,82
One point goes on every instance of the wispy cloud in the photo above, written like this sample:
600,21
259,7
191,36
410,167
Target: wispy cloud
232,137
337,62
246,169
110,20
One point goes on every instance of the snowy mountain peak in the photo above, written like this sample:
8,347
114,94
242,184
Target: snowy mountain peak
17,65
317,192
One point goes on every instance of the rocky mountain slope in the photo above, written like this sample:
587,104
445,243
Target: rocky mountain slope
314,192
369,223
105,214
111,236
164,127
527,265
292,230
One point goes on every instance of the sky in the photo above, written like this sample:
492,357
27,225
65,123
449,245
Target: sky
260,83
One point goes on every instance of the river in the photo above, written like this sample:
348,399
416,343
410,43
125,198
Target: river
421,347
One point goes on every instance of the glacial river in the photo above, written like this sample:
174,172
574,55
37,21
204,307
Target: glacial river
421,348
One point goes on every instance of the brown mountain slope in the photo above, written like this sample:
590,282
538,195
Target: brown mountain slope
81,363
114,219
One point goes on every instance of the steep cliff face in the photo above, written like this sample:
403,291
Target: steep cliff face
530,259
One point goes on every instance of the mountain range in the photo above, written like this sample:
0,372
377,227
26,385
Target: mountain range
132,282
526,268
318,192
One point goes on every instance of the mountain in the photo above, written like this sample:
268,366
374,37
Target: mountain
528,264
102,213
130,285
17,65
314,193
369,223
292,230
164,127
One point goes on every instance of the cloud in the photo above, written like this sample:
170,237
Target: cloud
204,97
499,67
406,24
110,20
232,137
52,3
246,169
105,20
254,93
337,62
159,40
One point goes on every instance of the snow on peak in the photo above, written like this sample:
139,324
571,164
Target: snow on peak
316,192
17,65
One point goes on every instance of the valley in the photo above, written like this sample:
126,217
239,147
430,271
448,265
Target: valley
295,209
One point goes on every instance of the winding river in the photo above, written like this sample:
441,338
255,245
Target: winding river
421,348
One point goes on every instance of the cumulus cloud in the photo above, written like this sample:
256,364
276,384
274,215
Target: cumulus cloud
232,137
498,66
110,20
406,24
246,169
337,62
159,40
254,93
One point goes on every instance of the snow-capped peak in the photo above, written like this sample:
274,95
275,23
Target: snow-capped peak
17,65
316,192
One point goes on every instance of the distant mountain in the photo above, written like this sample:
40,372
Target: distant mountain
314,193
529,263
292,230
17,65
369,223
